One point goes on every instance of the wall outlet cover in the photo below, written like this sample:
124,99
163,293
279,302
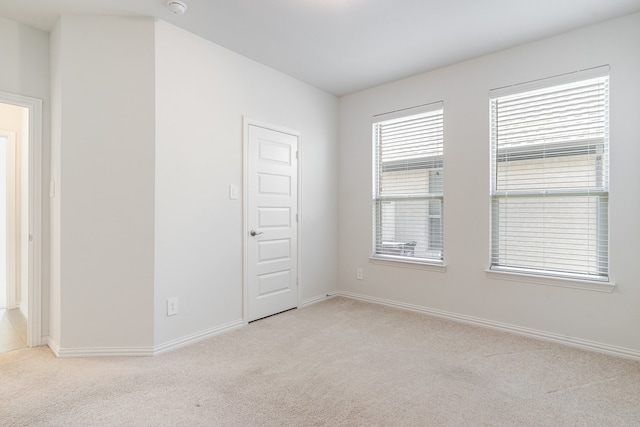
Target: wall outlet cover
172,306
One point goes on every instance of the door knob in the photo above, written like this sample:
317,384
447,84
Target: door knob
255,233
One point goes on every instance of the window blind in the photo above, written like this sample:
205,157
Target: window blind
408,184
550,178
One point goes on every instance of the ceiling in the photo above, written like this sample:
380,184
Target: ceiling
343,46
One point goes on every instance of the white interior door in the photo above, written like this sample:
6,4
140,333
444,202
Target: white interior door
272,226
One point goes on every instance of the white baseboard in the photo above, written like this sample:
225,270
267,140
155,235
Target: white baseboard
198,336
316,299
96,351
140,351
53,345
533,333
100,351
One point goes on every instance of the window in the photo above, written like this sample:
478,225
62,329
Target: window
550,177
408,184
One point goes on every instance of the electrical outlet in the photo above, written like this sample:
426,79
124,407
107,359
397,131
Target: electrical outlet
172,306
359,274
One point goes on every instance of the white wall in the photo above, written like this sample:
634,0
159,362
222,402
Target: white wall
25,71
103,163
202,93
464,289
147,137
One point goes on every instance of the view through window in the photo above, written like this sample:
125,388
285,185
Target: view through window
408,184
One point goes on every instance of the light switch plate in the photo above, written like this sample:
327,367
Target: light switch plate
233,192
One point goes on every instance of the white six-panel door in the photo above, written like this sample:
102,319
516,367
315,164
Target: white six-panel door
271,219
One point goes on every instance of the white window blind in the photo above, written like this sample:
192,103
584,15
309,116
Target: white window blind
408,184
550,177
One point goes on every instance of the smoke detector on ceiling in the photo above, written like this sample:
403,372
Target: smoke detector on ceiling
176,6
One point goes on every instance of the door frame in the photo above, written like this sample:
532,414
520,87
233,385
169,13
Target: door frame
34,303
245,212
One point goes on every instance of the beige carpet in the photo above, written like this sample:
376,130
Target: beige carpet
337,363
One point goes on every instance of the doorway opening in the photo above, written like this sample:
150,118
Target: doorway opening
20,148
13,263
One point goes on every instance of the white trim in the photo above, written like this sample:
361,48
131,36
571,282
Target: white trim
317,299
53,346
245,227
407,263
505,327
198,336
299,219
97,351
588,285
34,318
141,351
246,122
103,352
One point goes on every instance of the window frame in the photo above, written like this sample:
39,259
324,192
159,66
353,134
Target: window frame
573,147
432,164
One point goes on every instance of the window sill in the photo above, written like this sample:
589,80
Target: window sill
407,263
587,285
